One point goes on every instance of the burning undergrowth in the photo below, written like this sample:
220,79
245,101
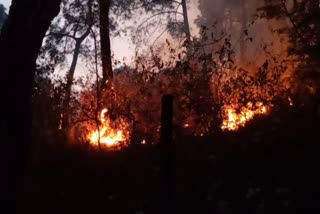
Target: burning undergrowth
107,127
212,90
110,134
244,93
235,116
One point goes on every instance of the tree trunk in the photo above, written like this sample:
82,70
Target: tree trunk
186,25
243,48
167,150
20,41
70,74
107,74
70,77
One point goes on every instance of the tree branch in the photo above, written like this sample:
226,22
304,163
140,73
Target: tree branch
177,11
154,30
149,3
295,27
159,36
157,14
56,34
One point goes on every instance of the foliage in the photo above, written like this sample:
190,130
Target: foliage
3,15
47,105
161,17
304,35
72,22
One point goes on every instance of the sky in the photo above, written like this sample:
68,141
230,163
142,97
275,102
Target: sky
6,3
122,47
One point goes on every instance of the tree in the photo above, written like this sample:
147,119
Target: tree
304,31
243,29
107,73
20,41
81,27
3,15
231,17
126,7
70,34
304,36
47,99
167,14
186,26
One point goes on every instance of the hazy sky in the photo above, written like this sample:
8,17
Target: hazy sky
6,3
121,46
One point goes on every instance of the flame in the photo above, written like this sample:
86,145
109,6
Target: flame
233,121
290,101
107,135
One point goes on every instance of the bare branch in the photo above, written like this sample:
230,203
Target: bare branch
177,11
149,3
157,14
154,30
159,36
295,27
56,34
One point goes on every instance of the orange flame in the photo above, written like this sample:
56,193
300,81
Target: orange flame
107,135
233,121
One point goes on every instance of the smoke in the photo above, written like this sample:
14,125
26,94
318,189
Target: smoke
253,38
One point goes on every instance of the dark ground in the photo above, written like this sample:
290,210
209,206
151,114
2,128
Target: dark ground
271,166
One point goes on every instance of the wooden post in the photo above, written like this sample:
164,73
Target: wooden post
166,149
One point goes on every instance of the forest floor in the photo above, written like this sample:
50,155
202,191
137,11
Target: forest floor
270,166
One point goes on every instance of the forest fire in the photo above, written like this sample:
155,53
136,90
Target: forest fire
109,136
160,106
233,119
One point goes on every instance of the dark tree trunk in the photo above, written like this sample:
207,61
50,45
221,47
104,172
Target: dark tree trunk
186,26
243,48
167,150
20,41
70,75
107,74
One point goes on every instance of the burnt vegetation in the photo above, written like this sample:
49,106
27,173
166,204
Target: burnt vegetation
244,81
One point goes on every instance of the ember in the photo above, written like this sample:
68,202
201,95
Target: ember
290,101
233,120
143,142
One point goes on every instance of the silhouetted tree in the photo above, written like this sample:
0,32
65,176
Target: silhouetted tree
20,41
3,15
107,73
304,36
304,31
67,35
125,8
